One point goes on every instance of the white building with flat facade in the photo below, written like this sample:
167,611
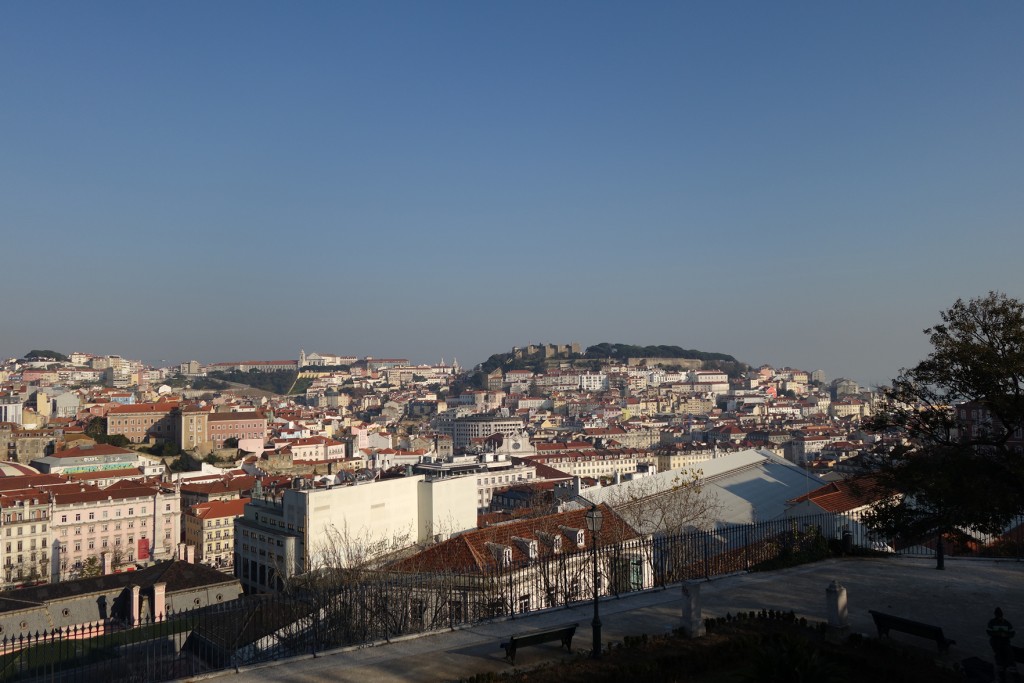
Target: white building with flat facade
308,528
11,410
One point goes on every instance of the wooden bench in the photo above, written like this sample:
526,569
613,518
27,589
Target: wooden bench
563,634
887,622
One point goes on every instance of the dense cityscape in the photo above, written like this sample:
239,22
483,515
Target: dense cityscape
699,242
131,495
130,465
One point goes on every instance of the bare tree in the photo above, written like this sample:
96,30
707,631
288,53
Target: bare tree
665,505
662,509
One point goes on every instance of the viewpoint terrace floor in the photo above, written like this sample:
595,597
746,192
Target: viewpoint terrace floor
960,599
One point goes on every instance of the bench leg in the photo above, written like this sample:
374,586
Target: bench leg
510,654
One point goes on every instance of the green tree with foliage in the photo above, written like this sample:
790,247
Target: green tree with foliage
46,354
205,383
180,464
959,414
622,352
97,431
91,567
276,382
165,449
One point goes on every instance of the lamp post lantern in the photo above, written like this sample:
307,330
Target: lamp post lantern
594,519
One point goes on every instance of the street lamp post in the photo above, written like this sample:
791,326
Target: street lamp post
594,519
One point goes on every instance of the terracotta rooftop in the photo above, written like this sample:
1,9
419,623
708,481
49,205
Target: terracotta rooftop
90,494
474,551
220,508
162,407
89,450
843,496
221,485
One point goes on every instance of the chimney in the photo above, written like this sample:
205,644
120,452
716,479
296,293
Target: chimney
108,562
134,615
159,600
190,554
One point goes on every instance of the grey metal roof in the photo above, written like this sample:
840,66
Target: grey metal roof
750,486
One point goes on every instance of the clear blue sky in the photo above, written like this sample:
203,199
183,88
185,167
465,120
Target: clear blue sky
799,183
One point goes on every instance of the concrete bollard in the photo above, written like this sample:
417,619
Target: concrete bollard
837,611
693,620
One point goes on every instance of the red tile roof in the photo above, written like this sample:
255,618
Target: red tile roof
843,496
472,551
234,507
89,450
93,494
220,485
162,407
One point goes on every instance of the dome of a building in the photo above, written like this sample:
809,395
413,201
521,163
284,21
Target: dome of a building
15,469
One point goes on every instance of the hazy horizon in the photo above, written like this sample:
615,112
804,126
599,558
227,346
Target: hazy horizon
413,358
798,183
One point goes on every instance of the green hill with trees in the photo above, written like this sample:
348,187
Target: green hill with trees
46,354
276,382
623,352
593,357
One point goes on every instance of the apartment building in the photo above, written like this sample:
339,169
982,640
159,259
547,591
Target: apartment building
215,488
24,537
806,447
849,407
491,480
138,523
598,462
210,529
143,421
684,456
223,426
11,410
464,430
314,449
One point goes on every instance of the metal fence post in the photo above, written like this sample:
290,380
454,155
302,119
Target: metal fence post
707,562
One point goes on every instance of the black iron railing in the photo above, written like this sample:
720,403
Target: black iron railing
352,607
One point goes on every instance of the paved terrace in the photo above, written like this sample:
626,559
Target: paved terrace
960,599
